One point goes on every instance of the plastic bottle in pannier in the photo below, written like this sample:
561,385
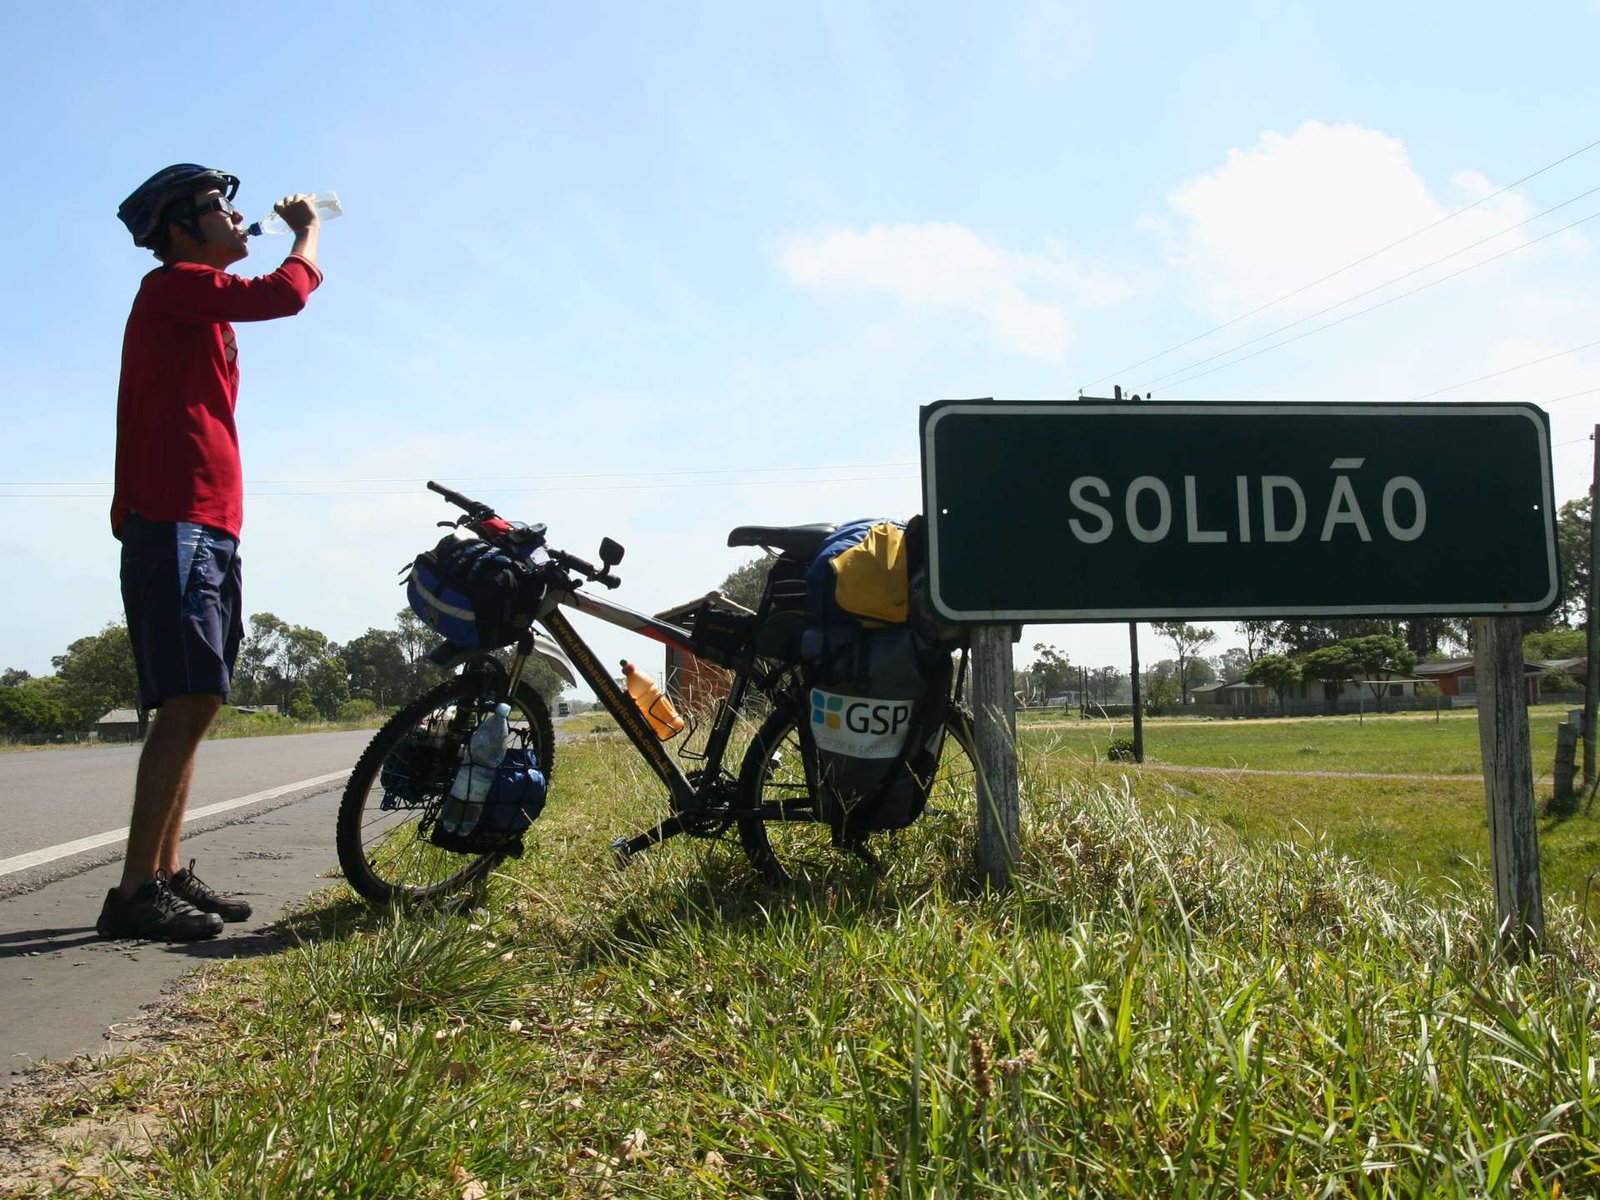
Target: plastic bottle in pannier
657,709
485,752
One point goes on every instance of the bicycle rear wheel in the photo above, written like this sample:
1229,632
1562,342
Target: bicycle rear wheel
402,777
782,837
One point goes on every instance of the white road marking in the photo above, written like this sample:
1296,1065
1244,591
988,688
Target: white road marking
35,858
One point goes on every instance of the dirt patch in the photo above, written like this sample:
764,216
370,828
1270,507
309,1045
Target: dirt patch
78,1128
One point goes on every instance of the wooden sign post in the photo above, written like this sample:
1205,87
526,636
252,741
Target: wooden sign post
994,706
1508,783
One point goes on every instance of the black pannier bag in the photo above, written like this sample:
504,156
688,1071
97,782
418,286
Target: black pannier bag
721,635
785,613
877,702
473,593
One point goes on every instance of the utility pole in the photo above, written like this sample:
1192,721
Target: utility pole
1591,685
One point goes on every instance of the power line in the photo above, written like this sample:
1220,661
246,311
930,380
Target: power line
1520,366
1386,283
1385,303
1348,266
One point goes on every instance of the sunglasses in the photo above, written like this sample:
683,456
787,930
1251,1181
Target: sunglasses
218,204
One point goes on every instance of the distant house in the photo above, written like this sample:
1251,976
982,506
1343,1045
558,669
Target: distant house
1578,668
1458,678
1309,696
119,725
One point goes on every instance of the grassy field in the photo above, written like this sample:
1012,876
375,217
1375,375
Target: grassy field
1311,782
1203,985
1392,744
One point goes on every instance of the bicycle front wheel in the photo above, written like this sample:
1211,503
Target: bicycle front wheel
401,779
780,832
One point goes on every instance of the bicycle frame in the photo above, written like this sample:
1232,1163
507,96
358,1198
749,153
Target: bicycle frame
683,792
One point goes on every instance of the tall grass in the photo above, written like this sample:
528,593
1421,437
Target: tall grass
1158,1009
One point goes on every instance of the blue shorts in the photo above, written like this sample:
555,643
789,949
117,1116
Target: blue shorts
181,592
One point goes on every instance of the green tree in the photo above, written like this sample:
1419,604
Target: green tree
416,640
274,658
329,681
1332,666
1278,672
1572,536
13,676
25,711
1187,641
356,710
97,674
1378,657
255,675
1161,691
378,668
1555,643
1423,634
301,707
1302,636
1106,684
745,584
1258,637
1050,673
1232,663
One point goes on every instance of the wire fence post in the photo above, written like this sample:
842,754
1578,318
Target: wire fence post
994,705
1508,783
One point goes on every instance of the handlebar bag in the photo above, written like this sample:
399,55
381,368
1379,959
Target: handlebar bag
473,593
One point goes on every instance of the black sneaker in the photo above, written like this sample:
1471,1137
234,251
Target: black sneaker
155,913
186,885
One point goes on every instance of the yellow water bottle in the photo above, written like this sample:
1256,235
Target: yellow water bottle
657,709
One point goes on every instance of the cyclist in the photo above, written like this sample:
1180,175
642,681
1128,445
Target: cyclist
177,509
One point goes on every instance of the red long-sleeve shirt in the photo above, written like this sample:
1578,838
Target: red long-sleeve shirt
177,445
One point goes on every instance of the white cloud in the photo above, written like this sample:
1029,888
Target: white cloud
1295,207
1023,300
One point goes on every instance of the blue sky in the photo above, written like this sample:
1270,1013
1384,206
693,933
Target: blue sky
651,271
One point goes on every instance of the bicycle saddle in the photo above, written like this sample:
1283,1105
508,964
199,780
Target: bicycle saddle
802,541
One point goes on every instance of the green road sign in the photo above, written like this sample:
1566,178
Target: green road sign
1104,511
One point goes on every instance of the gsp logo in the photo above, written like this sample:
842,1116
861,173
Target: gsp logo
859,726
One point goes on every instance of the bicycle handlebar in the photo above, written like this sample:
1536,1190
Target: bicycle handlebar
474,508
479,515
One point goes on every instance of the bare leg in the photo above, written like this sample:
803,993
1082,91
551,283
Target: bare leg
161,790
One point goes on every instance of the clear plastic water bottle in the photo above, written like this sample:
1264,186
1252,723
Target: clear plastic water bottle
326,204
476,775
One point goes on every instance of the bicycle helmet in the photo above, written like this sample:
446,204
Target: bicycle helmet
145,212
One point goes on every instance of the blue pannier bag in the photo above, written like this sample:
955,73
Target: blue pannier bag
472,593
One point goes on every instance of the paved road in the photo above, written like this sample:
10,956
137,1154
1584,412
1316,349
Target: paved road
65,992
